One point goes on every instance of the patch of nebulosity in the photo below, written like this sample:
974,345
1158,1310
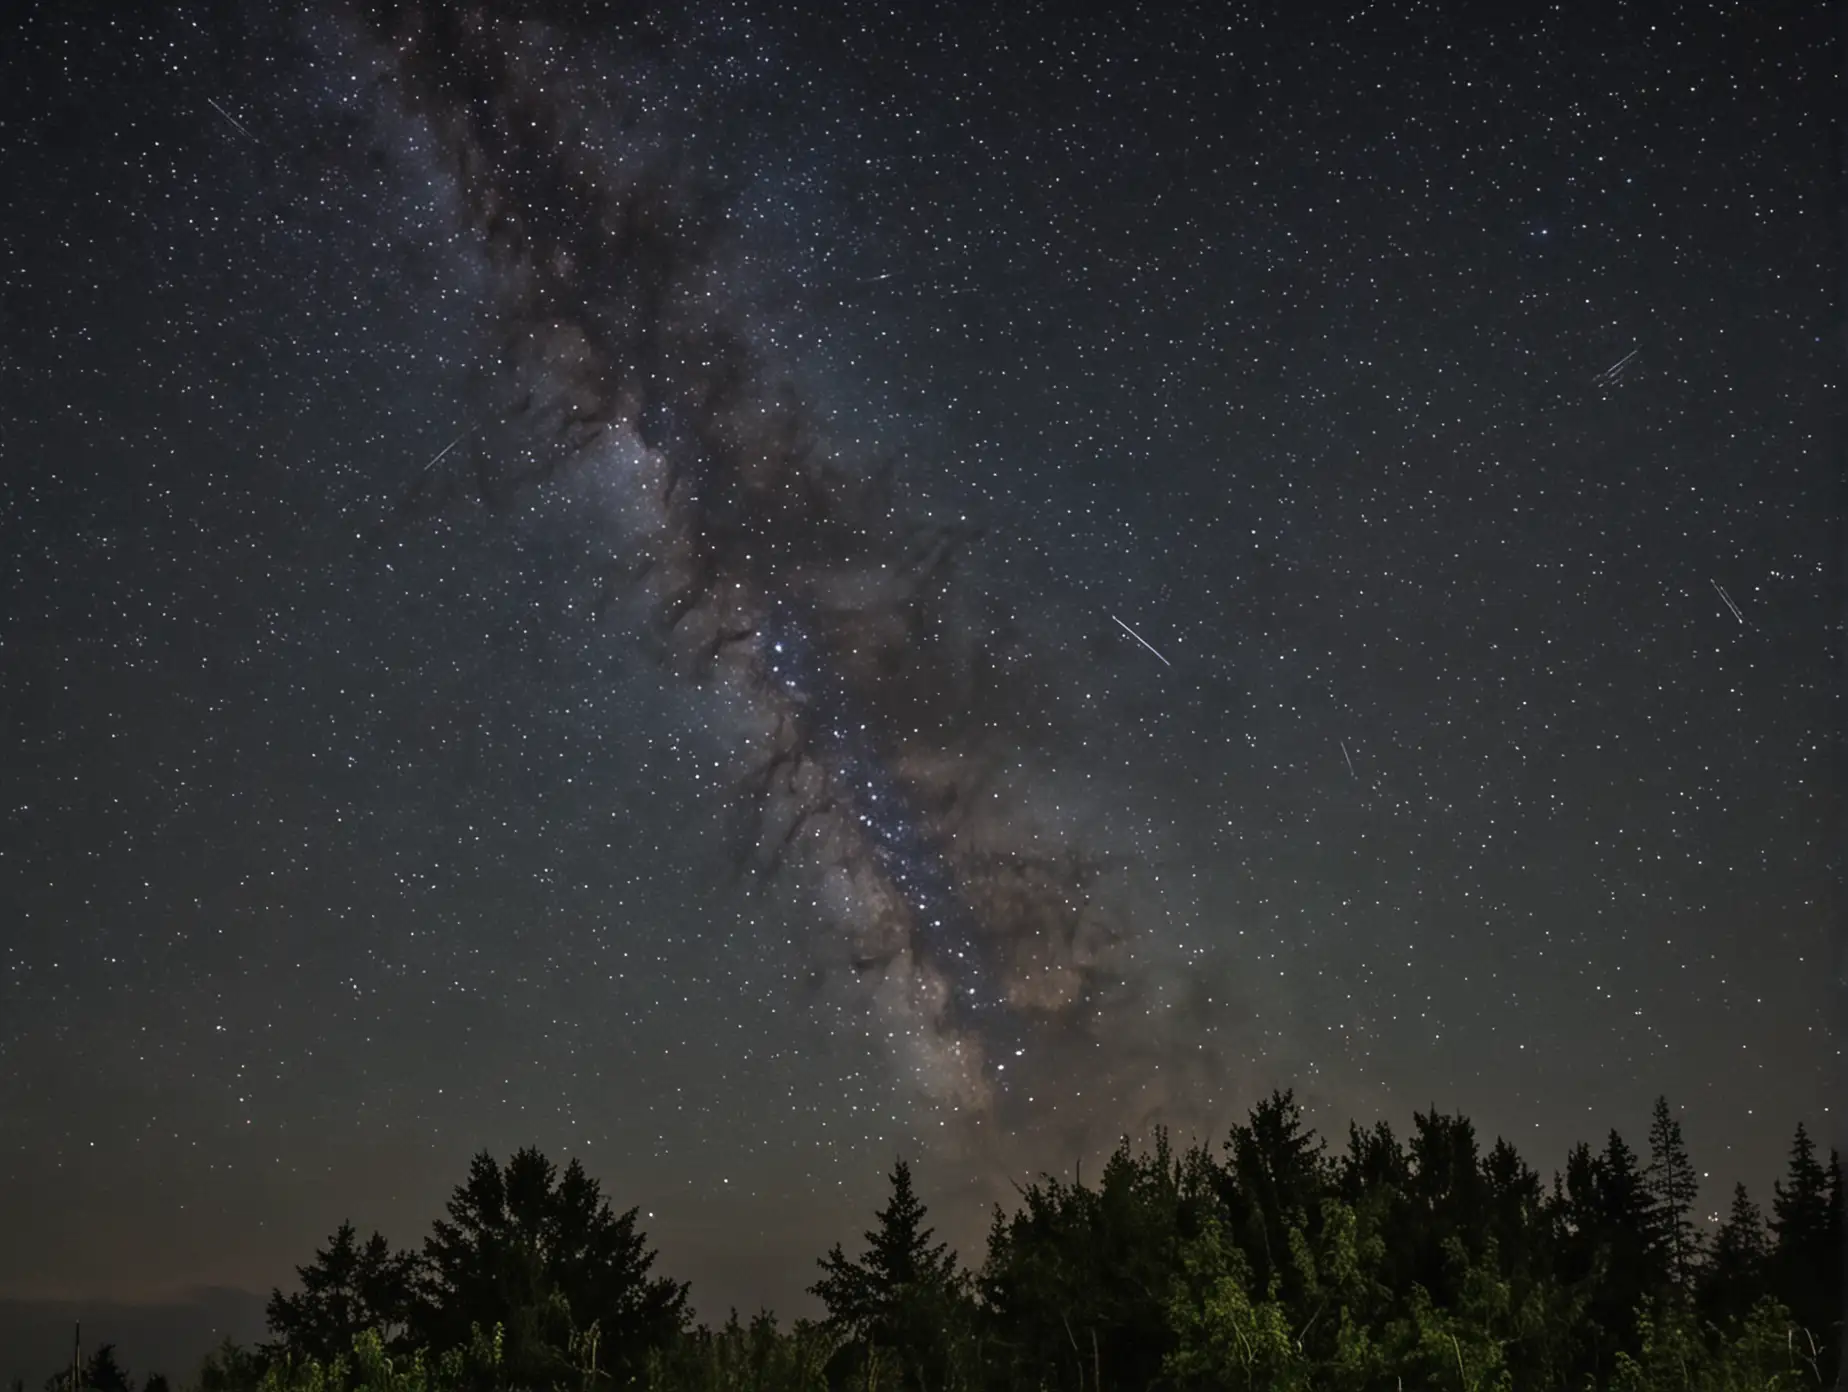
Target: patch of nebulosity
888,709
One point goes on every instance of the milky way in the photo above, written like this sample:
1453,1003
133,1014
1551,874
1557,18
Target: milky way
884,699
421,430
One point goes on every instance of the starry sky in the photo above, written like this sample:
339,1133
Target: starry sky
738,590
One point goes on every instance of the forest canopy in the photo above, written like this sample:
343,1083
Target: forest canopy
1270,1260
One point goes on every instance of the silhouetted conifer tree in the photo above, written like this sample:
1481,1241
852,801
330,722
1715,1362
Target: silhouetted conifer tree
1805,1260
899,1296
1673,1186
1835,1253
1515,1205
543,1256
1276,1176
1263,1266
1449,1200
102,1373
1733,1278
1637,1266
1608,1257
347,1289
1374,1164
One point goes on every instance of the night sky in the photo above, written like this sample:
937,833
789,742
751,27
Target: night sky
734,592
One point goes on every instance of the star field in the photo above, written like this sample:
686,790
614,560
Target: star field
1447,402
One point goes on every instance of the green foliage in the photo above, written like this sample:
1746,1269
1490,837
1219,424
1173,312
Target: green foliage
1434,1348
371,1366
1678,1355
1275,1178
1223,1337
1608,1255
1076,1283
757,1357
230,1368
1262,1264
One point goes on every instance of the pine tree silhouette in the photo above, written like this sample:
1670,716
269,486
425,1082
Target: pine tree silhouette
104,1374
898,1300
864,1294
1673,1187
1734,1276
1805,1262
347,1289
542,1254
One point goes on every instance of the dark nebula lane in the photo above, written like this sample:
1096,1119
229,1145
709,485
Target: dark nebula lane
776,568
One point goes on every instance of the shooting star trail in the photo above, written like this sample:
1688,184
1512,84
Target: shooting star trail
1350,761
1614,373
1720,590
241,127
438,457
1140,639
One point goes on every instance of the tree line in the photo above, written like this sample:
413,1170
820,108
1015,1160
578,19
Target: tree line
1269,1261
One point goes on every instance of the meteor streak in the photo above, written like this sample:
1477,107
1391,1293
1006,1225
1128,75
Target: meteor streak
1614,373
1720,590
241,128
437,458
1139,638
